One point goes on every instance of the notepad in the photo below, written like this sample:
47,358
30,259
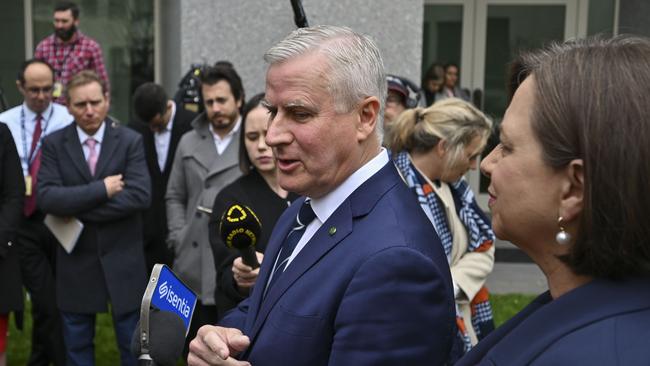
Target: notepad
65,229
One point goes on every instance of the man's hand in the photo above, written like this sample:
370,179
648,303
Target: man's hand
114,185
245,276
215,346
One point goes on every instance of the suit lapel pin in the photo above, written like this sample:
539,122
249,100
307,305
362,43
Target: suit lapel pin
332,231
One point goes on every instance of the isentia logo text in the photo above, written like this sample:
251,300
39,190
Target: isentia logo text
177,302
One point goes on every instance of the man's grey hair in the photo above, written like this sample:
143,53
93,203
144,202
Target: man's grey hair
356,69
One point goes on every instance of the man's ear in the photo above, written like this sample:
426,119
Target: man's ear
368,114
572,190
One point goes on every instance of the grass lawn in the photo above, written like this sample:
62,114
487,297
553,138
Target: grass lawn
505,306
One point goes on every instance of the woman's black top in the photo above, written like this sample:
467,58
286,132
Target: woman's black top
250,190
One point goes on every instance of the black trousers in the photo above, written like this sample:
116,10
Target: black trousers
37,263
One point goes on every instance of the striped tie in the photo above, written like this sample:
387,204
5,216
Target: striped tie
304,217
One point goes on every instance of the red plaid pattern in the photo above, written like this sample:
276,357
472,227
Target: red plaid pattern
83,53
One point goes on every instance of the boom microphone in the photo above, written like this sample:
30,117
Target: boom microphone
240,229
299,16
166,339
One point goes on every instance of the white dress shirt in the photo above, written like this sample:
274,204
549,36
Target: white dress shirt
98,136
325,206
54,118
162,140
222,143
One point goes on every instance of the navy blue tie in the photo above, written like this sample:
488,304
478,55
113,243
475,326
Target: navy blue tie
304,217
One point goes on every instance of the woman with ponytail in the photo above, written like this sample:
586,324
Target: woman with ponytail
433,148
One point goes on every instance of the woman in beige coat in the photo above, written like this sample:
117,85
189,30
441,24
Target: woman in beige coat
433,148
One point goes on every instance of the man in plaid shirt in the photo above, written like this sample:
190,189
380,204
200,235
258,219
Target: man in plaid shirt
68,50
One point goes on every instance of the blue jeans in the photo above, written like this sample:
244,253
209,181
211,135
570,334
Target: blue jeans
79,334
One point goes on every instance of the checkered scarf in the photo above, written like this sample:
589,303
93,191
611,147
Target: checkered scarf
479,232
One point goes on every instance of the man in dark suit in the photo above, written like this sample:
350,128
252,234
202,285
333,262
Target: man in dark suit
354,274
29,122
94,171
161,124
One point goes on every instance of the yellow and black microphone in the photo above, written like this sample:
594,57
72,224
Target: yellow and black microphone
240,229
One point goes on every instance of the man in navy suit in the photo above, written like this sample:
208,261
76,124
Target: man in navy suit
95,171
367,282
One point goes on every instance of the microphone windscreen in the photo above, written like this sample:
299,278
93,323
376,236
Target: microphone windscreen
239,227
166,338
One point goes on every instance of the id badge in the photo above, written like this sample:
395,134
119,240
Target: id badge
58,89
28,185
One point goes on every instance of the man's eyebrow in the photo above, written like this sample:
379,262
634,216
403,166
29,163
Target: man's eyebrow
265,103
295,103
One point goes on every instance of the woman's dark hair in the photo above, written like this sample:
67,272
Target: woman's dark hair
245,163
592,102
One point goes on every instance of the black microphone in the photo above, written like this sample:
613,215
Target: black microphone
166,339
299,14
240,229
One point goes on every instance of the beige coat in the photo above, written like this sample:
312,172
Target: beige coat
469,270
198,174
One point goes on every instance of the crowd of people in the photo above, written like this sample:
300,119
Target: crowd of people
373,249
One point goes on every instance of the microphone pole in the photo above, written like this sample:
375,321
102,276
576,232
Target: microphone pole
299,15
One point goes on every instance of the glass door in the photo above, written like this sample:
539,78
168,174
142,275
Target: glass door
503,29
492,32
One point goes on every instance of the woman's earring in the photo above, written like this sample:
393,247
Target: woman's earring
562,237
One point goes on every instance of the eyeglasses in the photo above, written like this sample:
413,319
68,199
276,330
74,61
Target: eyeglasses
37,91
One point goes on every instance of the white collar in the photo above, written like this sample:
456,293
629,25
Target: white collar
98,136
325,206
169,125
232,132
30,115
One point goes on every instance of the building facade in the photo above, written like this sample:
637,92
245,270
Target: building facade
160,39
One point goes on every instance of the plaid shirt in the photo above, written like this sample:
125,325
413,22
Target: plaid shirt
67,59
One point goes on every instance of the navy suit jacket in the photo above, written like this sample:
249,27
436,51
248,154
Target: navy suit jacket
601,323
107,263
371,287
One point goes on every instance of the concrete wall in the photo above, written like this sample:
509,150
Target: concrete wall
170,22
240,31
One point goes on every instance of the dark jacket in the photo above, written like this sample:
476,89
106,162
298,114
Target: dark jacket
371,287
601,323
250,190
107,263
12,193
155,218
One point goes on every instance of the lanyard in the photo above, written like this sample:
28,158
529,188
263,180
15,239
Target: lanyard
61,66
29,159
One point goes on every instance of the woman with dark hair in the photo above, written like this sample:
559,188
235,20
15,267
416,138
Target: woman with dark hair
569,186
12,193
450,87
433,148
432,82
259,190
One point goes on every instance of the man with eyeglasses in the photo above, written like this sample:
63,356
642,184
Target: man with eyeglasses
29,123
